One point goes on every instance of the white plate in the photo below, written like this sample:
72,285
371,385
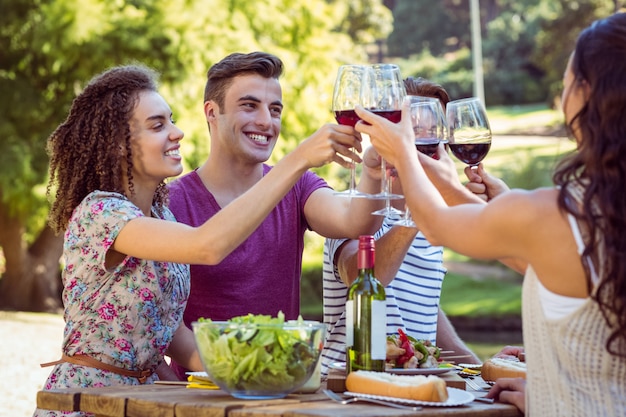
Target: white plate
419,371
470,365
338,365
198,374
400,371
456,397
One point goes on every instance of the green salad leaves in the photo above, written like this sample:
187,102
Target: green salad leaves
257,353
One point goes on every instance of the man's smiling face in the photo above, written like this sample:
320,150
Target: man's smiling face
249,123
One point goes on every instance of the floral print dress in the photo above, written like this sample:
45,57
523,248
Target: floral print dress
125,316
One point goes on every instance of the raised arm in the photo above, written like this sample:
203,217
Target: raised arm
338,217
391,249
476,230
150,238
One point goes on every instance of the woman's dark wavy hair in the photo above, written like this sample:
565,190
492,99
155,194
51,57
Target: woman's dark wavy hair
600,165
220,75
91,149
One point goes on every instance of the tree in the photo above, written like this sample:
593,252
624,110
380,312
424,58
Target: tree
526,43
50,48
424,24
562,21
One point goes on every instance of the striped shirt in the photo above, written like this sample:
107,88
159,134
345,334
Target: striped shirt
412,296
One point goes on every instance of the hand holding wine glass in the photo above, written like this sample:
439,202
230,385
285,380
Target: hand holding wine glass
384,97
469,132
347,94
429,129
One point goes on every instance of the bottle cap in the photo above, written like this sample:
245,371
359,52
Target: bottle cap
366,242
365,255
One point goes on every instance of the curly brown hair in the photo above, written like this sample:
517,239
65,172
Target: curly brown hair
91,149
599,167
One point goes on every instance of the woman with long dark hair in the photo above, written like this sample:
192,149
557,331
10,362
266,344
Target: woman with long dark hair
573,237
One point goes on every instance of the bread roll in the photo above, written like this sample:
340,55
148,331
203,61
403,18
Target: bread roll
412,387
495,368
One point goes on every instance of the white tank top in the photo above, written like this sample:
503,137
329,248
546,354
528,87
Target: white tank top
556,306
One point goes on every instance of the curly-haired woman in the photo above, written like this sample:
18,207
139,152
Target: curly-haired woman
126,274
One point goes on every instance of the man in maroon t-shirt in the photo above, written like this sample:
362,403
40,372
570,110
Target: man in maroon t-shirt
243,107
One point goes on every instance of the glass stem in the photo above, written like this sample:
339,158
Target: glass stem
384,183
352,175
407,213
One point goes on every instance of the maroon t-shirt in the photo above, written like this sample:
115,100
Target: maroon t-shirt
262,275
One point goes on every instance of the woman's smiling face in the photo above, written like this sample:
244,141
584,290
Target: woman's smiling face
155,140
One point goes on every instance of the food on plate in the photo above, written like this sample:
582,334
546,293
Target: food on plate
412,387
404,351
495,368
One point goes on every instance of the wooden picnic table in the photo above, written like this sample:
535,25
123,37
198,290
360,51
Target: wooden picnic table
180,401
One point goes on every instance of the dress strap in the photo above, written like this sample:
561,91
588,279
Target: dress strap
581,246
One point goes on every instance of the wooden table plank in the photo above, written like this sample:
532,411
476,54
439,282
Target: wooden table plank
66,400
221,404
179,401
326,408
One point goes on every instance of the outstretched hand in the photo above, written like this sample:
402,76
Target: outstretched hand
484,185
391,140
440,169
510,391
371,163
331,143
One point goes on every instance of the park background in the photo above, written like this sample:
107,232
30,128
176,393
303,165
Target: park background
50,48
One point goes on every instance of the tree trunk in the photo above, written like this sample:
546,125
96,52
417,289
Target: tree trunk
31,280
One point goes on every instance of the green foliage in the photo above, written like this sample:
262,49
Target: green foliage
50,48
365,21
525,43
450,71
424,24
562,22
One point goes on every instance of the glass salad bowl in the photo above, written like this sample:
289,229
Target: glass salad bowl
259,357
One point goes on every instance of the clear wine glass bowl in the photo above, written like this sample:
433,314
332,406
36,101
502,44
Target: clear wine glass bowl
348,93
469,133
384,97
429,130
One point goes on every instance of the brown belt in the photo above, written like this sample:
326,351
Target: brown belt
85,360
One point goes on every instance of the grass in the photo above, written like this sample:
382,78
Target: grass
506,119
464,296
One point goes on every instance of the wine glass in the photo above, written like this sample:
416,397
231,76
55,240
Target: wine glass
346,95
469,134
429,129
384,97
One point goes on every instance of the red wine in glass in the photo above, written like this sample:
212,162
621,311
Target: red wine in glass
427,146
392,115
470,153
346,117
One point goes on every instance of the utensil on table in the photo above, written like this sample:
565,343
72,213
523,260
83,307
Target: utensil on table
475,387
339,399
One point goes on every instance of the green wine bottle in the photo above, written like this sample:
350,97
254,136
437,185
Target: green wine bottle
366,318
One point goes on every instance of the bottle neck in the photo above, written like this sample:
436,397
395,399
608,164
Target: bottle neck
365,259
